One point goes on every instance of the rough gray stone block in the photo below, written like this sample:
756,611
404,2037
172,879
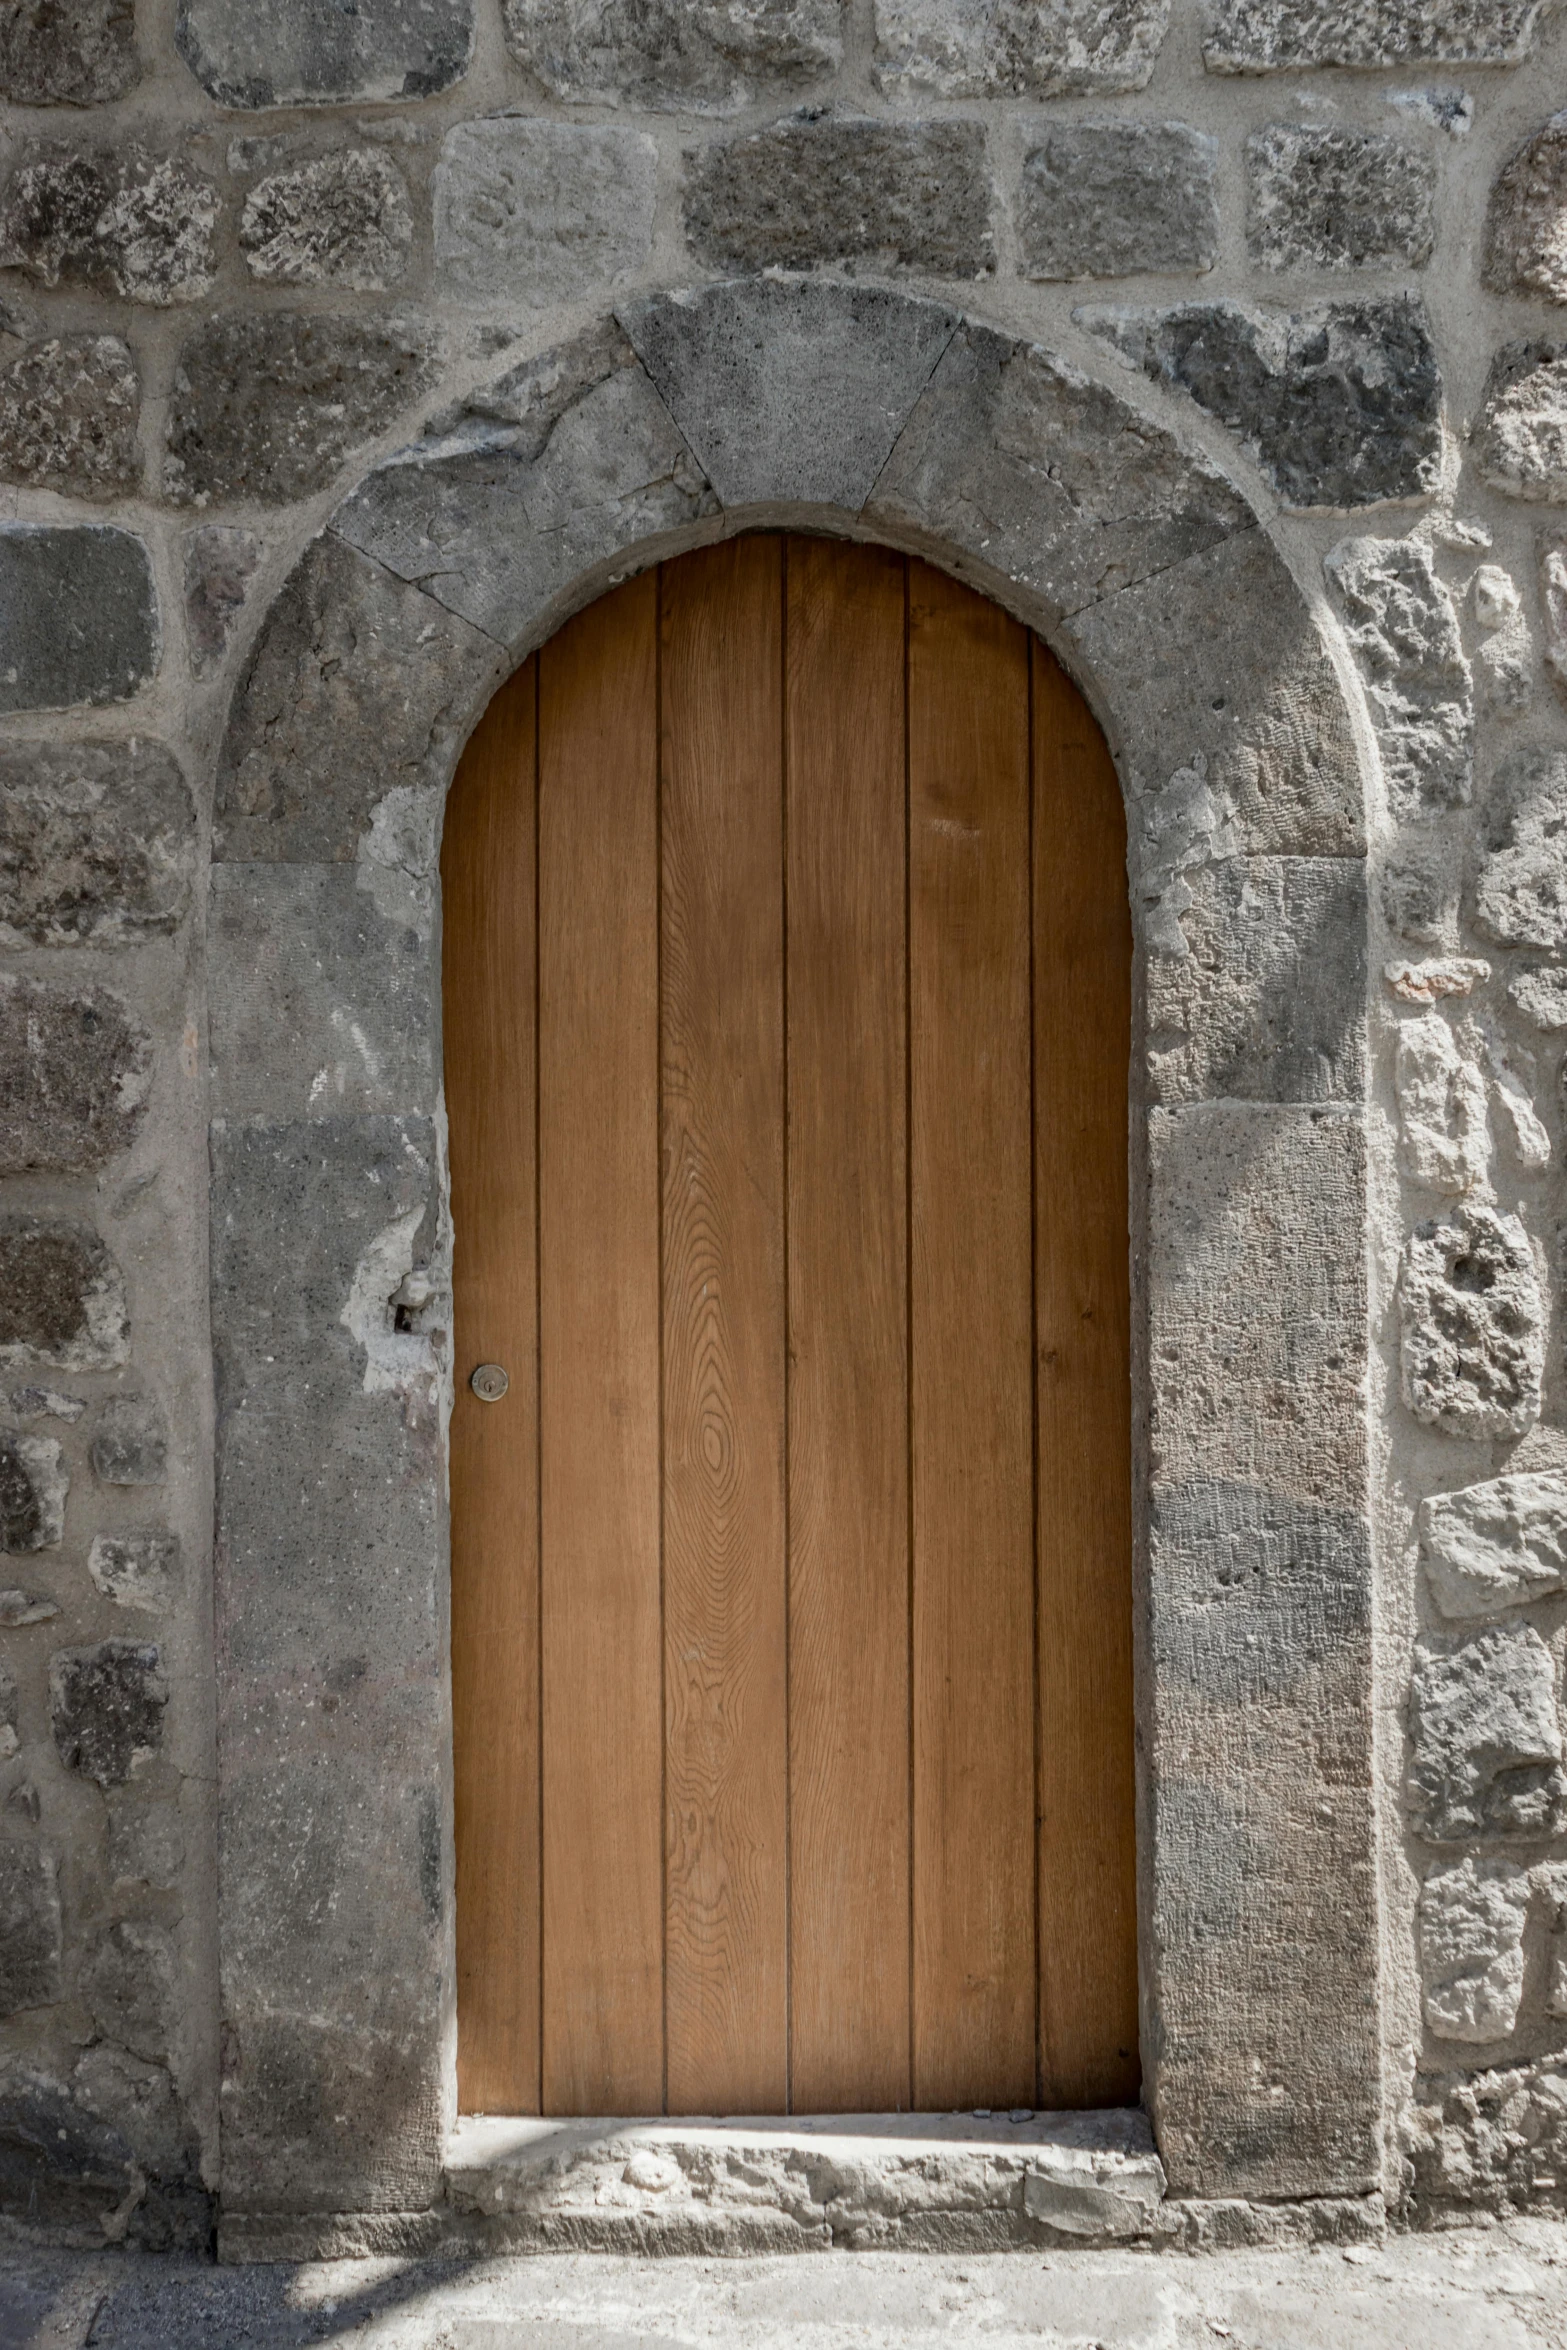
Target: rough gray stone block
1110,199
1444,1131
68,415
253,53
1541,996
106,1705
139,1571
1526,225
73,53
342,220
892,195
1321,198
322,981
105,2149
268,405
1485,1743
130,223
1420,901
29,1928
75,1065
62,1297
146,1844
33,1487
1520,437
1472,1917
130,1444
78,615
1472,1324
129,1984
693,56
1486,2141
1521,892
1280,36
220,563
987,49
1403,632
17,1608
542,212
97,842
356,687
1340,404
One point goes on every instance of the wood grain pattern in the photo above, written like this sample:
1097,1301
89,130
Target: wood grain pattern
722,1119
603,1900
488,911
848,1274
1082,1029
971,1394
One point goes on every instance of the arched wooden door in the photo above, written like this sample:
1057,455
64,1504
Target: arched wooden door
787,1013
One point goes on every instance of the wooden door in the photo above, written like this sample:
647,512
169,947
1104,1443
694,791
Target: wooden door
787,1004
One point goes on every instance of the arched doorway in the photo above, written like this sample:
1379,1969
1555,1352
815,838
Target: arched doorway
787,975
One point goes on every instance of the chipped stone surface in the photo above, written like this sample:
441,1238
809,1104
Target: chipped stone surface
1472,1324
1420,900
62,1296
986,49
341,220
70,53
106,1705
130,1986
1521,893
1493,2141
17,1608
1327,198
132,224
136,1570
1553,596
1439,976
75,1065
78,615
252,53
220,562
1280,36
542,212
130,1444
1111,199
1526,226
1443,1132
1472,1917
33,1488
1541,996
68,417
1495,1545
671,54
1403,631
1520,436
1485,1741
97,842
146,1844
29,1927
843,189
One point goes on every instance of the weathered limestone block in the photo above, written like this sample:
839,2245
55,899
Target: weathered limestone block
1514,1082
62,1296
268,404
690,56
1319,198
890,195
68,414
1489,2141
1553,597
1444,1135
106,1706
97,842
1526,226
1520,437
342,220
78,615
129,223
220,563
33,1487
29,1927
314,53
1340,404
1280,36
542,212
1403,631
1485,1741
75,1065
1521,894
1420,900
1472,1324
130,1444
67,53
1472,1917
1495,1545
1541,996
146,1844
139,1571
986,49
1110,199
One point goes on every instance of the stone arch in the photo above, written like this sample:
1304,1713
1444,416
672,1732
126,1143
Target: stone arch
686,417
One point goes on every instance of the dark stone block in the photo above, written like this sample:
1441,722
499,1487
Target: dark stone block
68,416
107,1706
75,1065
29,1927
97,842
130,1445
78,615
33,1488
1111,199
903,195
62,1298
129,223
254,53
67,52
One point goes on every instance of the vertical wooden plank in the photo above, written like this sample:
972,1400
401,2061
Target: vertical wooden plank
848,1329
1082,1047
599,1353
972,1433
722,1121
487,969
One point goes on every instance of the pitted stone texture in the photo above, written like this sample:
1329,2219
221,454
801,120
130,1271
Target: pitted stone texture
1496,1545
1280,36
130,1444
268,405
357,687
1553,597
75,1065
341,220
542,212
78,616
67,53
140,1571
129,1984
1444,1135
29,1927
1472,1917
131,224
888,195
1111,199
1520,438
1542,997
68,413
1472,1324
1526,227
1488,2141
688,56
1340,404
97,843
1521,893
251,53
988,49
62,1297
1420,901
146,1844
107,1705
105,2153
1403,631
1322,198
220,563
1485,1742
33,1487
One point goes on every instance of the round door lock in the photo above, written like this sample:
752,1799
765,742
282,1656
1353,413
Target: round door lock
489,1382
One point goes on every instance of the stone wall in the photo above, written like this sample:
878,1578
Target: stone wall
249,248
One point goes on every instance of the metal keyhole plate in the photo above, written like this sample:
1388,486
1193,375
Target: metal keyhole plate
489,1382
